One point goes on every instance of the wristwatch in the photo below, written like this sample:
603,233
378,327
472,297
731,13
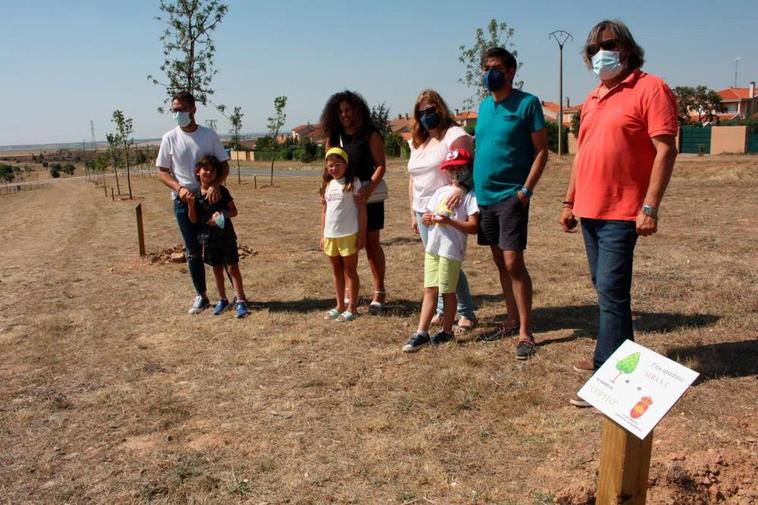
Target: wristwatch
649,210
527,192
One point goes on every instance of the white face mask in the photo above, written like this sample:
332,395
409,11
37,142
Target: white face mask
607,64
183,119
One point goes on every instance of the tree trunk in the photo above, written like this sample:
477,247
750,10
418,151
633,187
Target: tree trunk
115,171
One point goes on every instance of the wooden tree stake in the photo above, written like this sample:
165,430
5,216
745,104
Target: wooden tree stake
624,466
140,230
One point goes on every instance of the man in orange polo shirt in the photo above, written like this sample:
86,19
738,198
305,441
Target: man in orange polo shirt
626,152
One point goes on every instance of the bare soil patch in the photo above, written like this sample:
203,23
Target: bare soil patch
112,393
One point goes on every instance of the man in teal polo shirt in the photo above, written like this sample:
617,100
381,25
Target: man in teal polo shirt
511,152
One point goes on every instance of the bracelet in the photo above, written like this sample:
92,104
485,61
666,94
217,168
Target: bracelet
527,192
568,204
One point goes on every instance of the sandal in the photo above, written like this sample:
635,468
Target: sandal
375,308
465,324
331,314
345,317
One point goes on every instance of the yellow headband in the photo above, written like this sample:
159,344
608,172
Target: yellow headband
339,152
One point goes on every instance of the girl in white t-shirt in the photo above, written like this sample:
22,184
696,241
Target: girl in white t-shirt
343,230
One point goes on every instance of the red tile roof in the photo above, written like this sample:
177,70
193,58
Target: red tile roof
736,94
555,107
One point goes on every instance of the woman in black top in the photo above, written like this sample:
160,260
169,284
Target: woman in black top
346,121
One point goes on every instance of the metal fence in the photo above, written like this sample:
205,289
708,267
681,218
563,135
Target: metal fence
695,140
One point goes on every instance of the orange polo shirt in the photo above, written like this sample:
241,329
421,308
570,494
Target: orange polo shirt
615,151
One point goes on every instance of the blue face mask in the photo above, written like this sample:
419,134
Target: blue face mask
493,79
429,120
183,119
607,64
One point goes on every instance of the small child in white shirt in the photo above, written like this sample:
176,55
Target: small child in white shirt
445,250
343,230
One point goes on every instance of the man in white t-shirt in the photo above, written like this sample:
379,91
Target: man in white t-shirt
180,150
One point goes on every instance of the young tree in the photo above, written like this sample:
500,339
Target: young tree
114,144
380,115
275,124
188,47
498,35
236,120
698,99
124,130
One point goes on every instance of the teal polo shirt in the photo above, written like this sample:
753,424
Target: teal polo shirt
504,149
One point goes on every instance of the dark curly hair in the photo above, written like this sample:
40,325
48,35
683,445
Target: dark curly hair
330,117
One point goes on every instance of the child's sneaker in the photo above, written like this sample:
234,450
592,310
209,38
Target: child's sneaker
441,337
221,306
199,304
416,342
241,309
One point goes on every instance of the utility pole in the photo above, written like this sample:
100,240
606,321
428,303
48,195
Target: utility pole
561,37
736,61
92,134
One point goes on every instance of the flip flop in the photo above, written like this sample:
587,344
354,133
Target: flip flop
345,317
331,314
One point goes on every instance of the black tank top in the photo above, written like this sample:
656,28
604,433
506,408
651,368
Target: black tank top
357,148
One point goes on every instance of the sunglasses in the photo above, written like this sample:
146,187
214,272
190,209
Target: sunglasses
605,45
430,110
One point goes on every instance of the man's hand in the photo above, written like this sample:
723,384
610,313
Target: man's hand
414,223
213,194
427,218
567,220
646,225
523,199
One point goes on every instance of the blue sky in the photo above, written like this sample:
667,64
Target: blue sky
66,63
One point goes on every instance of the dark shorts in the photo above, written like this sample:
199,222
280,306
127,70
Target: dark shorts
223,253
504,224
374,216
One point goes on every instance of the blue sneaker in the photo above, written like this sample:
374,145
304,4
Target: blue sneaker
220,307
416,342
241,309
199,305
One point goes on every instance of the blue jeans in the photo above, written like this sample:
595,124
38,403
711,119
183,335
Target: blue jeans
194,250
462,292
610,251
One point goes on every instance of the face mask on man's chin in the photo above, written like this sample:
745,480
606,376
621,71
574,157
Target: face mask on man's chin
182,118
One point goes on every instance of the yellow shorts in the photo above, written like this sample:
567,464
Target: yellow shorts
341,246
441,273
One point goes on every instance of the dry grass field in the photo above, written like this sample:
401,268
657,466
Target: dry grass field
111,393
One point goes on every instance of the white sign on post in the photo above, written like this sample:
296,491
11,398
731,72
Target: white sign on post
636,387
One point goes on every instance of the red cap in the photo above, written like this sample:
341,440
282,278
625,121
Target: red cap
457,158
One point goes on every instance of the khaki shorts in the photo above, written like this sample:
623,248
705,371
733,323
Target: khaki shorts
441,273
341,246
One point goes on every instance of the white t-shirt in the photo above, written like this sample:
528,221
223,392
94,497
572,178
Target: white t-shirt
180,152
341,209
444,240
424,166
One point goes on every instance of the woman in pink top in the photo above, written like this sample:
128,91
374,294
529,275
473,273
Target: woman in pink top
434,133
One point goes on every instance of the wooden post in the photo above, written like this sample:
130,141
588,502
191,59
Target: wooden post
105,188
140,230
624,466
255,182
112,197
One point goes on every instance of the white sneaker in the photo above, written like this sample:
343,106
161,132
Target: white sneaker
199,305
